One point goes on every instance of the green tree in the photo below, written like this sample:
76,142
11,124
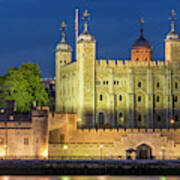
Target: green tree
24,85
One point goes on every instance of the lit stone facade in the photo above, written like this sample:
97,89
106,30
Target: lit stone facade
136,93
121,105
65,139
23,135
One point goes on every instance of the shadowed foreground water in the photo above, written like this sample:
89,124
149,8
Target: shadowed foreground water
89,178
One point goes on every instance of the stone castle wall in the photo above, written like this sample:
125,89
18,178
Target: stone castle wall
22,137
109,142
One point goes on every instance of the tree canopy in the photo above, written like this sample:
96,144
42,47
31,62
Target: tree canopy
23,85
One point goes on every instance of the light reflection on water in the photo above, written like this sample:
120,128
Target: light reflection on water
89,178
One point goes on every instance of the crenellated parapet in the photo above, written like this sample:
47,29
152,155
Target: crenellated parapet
127,63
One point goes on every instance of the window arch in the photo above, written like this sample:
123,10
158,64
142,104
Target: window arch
120,97
121,116
139,84
101,97
176,85
176,118
175,98
157,85
158,118
139,118
157,98
101,118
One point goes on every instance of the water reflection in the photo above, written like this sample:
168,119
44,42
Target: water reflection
88,178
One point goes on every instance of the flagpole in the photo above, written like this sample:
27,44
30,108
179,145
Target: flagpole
76,27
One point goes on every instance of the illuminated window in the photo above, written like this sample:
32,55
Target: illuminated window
120,97
157,98
121,117
176,85
26,141
139,98
101,118
139,84
139,118
101,97
157,85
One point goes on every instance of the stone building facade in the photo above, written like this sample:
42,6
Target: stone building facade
136,93
23,135
115,107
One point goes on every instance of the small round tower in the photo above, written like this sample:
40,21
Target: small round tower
63,57
141,49
172,42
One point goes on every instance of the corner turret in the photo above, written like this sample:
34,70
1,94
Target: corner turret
63,57
86,59
172,42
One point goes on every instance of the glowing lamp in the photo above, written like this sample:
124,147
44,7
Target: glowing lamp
65,147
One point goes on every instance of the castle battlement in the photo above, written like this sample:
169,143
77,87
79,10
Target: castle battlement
128,63
125,131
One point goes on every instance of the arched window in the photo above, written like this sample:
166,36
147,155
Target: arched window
157,85
139,84
158,118
139,98
120,97
121,116
176,85
101,97
175,99
176,118
157,99
107,82
64,62
139,118
101,118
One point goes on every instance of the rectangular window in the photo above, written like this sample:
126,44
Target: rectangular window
26,141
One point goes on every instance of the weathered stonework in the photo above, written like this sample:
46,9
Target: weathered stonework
138,98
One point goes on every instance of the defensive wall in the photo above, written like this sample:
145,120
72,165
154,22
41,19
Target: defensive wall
128,63
67,140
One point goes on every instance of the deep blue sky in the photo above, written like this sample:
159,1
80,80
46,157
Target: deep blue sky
29,28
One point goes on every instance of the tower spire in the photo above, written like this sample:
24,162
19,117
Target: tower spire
141,24
62,28
173,18
86,18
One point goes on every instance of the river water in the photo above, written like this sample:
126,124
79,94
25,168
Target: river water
89,177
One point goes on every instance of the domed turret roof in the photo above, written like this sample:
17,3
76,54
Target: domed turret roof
172,35
63,46
141,41
86,36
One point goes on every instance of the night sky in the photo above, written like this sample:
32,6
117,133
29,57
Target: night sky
29,28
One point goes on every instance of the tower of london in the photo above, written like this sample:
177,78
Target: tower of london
136,93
